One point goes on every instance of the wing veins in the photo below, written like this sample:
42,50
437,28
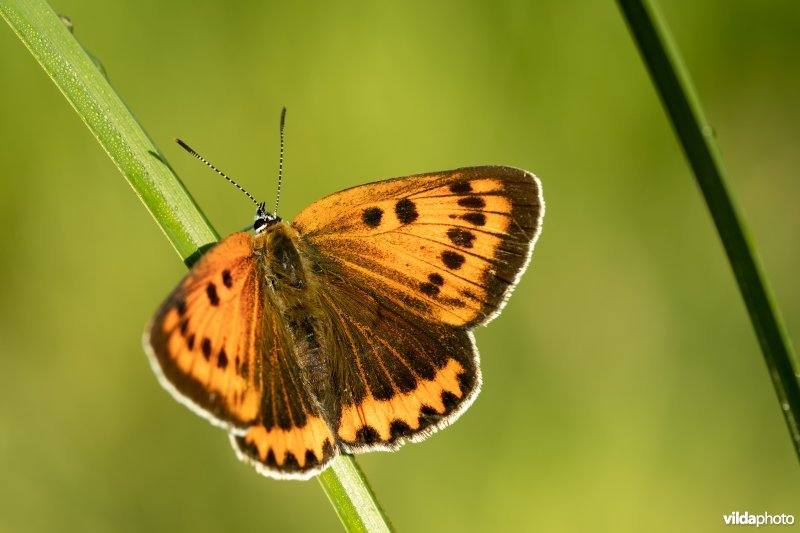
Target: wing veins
453,195
503,236
301,388
391,282
250,347
361,329
390,348
349,337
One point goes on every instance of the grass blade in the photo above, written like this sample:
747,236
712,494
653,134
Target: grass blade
352,497
87,89
697,138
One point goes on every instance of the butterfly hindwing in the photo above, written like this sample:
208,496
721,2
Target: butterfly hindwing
449,246
292,437
397,378
219,347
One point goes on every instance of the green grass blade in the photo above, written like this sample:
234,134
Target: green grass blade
352,497
87,89
697,138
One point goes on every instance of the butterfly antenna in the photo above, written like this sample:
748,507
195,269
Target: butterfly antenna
215,169
280,162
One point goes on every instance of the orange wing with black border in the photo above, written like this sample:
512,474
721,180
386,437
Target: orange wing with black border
218,347
398,378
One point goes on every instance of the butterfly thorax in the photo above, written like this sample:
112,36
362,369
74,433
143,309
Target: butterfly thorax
282,266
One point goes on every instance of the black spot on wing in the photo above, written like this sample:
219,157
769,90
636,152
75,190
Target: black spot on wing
429,289
460,187
211,292
450,401
452,260
399,429
472,202
206,347
311,459
436,279
180,306
227,280
367,435
327,448
290,463
429,416
372,216
428,412
477,219
406,211
222,359
461,237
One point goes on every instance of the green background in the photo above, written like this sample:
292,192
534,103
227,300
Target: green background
624,388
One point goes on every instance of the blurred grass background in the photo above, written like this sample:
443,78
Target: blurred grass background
624,388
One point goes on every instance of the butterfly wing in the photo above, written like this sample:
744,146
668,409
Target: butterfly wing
397,377
218,347
450,246
407,267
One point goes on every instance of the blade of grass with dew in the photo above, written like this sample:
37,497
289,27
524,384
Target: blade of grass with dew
187,229
697,138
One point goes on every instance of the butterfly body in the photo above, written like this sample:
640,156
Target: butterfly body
348,329
289,268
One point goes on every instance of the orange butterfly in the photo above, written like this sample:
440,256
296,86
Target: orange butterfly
350,328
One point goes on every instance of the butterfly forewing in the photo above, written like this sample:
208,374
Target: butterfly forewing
218,345
194,350
448,246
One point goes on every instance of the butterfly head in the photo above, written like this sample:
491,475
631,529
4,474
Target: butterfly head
263,220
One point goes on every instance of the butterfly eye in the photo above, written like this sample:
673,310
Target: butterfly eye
263,219
259,225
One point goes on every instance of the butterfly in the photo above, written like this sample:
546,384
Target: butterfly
348,329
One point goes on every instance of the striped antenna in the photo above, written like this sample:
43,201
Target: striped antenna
215,169
280,162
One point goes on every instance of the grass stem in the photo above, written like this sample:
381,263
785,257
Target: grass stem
696,136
